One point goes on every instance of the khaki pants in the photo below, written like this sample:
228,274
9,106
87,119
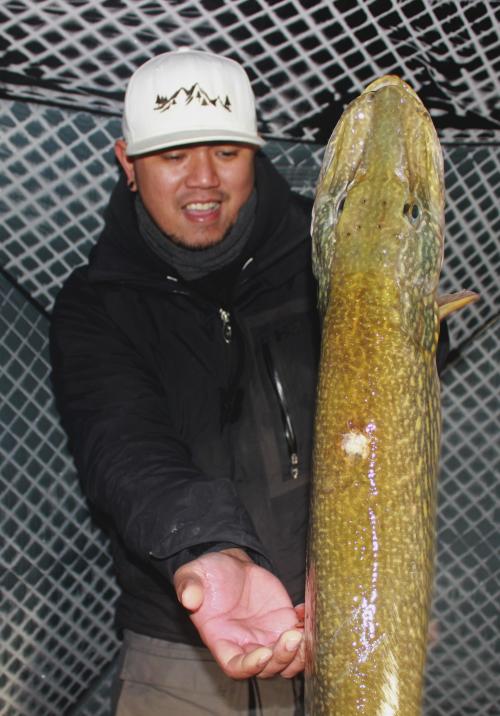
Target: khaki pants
161,678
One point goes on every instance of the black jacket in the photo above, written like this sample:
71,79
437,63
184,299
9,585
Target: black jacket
190,420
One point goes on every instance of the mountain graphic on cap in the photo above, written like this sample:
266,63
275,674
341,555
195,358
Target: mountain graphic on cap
194,93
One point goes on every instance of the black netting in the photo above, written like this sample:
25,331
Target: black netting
306,59
63,68
57,584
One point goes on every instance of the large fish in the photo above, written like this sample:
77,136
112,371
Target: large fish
377,254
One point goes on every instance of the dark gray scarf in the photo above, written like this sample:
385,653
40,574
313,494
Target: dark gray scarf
192,264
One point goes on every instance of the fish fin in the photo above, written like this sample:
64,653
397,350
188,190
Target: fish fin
450,302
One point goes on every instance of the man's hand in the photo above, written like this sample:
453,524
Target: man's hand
243,614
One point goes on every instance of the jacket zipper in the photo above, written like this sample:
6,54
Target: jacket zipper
227,329
290,437
233,361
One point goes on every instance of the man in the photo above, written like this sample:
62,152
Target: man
184,365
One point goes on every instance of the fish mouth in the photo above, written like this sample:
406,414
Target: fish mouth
390,81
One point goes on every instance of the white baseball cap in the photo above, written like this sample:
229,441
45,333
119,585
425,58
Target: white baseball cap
185,97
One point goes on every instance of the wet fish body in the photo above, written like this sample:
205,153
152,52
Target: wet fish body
377,254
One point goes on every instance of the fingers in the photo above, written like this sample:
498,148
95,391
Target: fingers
296,666
190,593
287,658
189,585
300,611
238,664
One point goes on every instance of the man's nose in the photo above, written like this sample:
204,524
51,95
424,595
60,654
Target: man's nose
202,170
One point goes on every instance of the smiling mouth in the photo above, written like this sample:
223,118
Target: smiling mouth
202,206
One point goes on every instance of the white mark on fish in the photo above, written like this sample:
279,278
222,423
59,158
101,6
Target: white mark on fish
356,444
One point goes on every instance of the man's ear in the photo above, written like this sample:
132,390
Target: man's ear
126,163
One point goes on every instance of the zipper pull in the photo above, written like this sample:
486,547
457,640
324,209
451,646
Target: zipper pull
227,330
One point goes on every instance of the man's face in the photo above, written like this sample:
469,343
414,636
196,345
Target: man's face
194,193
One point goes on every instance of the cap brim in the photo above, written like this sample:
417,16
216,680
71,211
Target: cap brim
154,144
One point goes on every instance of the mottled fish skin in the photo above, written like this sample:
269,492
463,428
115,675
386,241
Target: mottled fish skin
378,246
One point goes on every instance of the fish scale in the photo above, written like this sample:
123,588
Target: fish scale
377,253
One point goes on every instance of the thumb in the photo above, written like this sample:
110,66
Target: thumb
190,592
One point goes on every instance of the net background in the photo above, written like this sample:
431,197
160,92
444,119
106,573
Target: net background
64,65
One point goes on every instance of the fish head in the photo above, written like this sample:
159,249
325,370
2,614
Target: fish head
379,206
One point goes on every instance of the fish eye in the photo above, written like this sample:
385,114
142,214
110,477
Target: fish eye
412,212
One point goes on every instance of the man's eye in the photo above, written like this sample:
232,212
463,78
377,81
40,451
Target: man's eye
172,157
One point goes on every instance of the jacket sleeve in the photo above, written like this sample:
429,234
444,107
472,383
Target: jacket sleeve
132,465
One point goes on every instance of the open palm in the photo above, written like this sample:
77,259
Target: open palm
243,614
